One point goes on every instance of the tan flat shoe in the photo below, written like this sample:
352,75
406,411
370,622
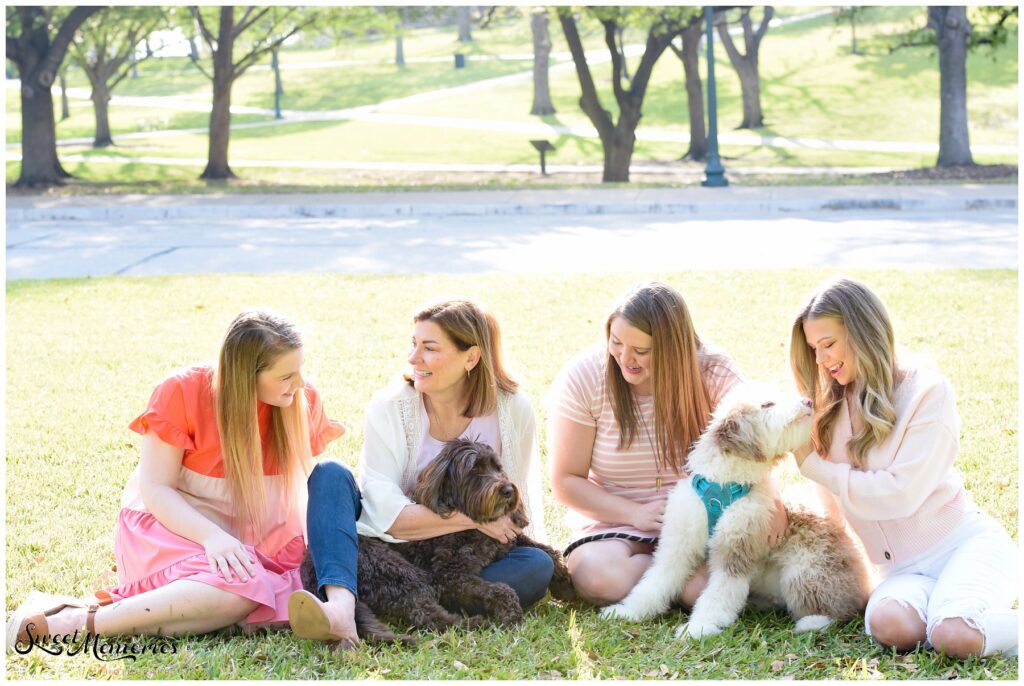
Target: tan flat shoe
29,620
310,619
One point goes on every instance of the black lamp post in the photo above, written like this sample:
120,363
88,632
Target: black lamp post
714,173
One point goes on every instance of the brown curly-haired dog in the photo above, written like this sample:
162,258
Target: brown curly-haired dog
413,581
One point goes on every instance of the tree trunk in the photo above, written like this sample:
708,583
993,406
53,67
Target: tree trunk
619,138
746,65
541,51
39,163
278,89
100,102
465,26
399,50
618,149
193,49
694,91
220,116
750,88
952,30
38,58
65,109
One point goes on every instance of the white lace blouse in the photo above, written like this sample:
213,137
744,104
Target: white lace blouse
394,432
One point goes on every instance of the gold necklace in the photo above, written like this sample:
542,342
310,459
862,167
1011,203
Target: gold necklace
657,463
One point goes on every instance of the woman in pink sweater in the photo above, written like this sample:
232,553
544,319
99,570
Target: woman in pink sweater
884,443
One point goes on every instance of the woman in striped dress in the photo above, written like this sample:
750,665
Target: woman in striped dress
623,418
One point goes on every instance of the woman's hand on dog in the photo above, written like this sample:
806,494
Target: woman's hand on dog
649,517
226,554
801,454
503,530
780,522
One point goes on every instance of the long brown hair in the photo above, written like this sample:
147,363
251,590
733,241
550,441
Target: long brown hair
467,324
254,341
870,336
682,403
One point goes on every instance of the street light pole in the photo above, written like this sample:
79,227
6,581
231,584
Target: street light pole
714,173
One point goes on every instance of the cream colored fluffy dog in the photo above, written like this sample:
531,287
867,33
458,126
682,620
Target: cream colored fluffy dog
815,573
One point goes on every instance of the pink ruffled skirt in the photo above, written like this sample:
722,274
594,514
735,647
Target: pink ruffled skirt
150,556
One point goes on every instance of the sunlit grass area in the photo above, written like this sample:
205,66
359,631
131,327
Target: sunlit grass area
83,356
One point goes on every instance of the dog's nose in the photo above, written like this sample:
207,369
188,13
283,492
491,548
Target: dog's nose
807,402
508,490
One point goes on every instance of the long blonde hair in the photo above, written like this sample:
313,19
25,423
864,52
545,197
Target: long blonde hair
467,324
870,336
253,343
682,401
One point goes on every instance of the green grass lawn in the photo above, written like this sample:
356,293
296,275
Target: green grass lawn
812,87
84,355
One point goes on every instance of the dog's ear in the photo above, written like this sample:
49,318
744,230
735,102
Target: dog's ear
435,485
734,436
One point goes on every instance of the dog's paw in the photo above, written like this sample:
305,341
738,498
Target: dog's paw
812,623
697,630
619,611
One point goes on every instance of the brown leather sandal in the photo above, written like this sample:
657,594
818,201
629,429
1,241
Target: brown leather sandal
28,622
310,619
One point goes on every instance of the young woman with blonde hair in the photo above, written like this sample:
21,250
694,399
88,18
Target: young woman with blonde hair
210,529
883,449
456,387
623,418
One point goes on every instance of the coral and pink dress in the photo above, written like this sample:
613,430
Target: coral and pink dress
181,413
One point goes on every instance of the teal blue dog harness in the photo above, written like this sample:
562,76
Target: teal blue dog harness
717,497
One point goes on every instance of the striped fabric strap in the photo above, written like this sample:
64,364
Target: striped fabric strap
717,497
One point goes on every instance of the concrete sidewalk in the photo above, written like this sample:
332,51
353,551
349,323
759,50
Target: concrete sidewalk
697,201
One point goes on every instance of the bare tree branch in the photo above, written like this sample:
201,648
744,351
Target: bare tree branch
203,30
589,100
257,53
46,72
617,58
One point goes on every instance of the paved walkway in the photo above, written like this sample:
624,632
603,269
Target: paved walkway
515,231
734,201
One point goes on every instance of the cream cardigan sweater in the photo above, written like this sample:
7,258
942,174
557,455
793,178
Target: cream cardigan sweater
909,496
394,432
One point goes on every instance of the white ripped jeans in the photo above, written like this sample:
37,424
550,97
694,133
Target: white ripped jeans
971,575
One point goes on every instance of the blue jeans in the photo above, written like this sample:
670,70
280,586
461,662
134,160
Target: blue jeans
334,506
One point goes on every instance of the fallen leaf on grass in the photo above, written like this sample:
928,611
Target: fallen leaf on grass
790,656
458,665
778,665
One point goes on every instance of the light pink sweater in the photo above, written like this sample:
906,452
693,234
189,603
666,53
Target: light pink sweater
909,496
